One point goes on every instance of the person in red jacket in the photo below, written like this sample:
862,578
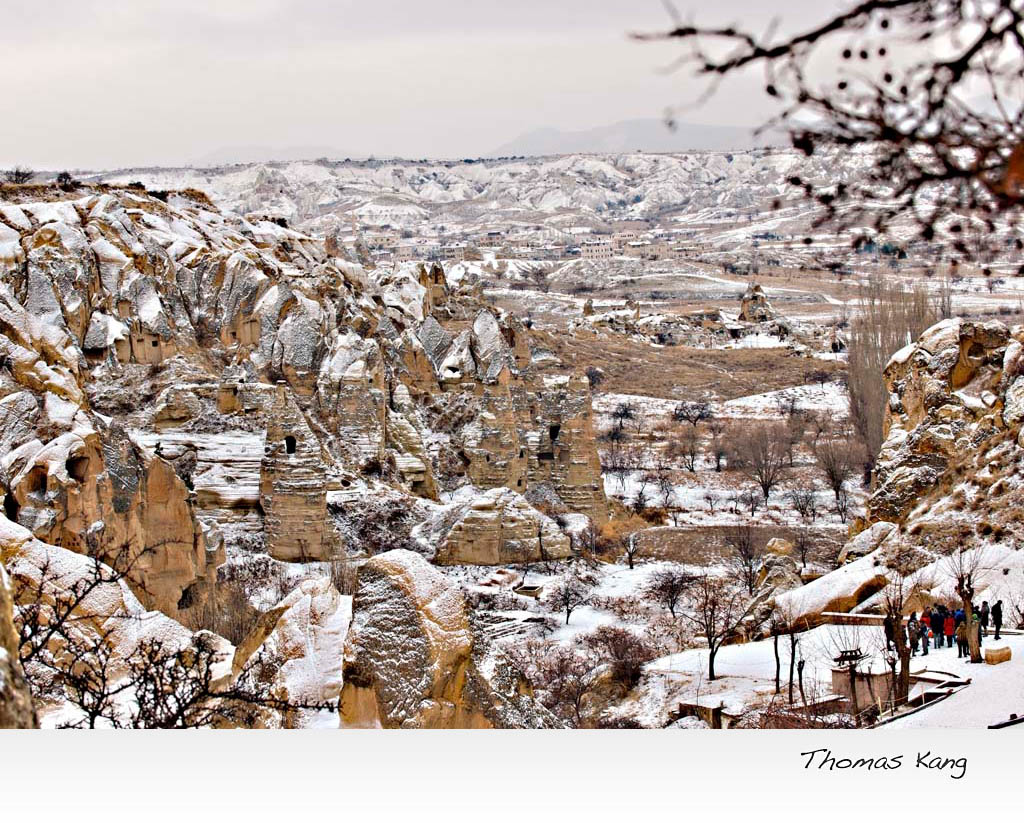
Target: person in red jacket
925,628
948,627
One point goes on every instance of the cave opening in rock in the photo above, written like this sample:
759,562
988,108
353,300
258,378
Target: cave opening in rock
37,480
289,444
11,507
77,468
553,430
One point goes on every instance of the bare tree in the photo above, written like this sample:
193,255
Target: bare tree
623,412
804,502
638,506
964,565
69,651
538,278
905,583
717,447
667,586
663,479
802,545
569,675
750,499
789,616
569,594
618,464
764,447
630,547
719,609
943,123
693,412
837,458
624,651
18,175
843,504
179,688
890,316
746,554
686,447
796,429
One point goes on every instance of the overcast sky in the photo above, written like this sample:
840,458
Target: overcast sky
99,84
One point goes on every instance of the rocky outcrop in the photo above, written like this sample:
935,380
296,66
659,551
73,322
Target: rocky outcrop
528,430
351,398
408,648
77,480
948,475
497,527
866,541
947,396
16,709
304,637
105,611
562,446
409,658
293,485
754,305
152,346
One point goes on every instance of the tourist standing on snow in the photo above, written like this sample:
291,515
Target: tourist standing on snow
949,626
913,632
983,614
997,616
961,640
924,625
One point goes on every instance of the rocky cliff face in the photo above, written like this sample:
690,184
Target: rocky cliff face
409,659
74,477
954,396
16,709
186,392
950,473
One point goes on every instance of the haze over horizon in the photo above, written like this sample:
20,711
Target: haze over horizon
174,84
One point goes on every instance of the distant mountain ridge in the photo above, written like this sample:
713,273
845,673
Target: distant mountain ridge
645,134
227,155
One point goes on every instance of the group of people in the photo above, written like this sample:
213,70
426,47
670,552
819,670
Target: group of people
941,623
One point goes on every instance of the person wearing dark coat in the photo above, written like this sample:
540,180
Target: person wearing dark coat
913,633
997,616
890,634
983,614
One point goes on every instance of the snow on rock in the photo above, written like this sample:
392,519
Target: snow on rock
303,637
109,612
411,661
408,648
493,527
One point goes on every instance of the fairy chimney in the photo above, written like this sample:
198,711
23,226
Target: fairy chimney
292,484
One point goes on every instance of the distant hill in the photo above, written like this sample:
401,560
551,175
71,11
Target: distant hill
649,134
266,154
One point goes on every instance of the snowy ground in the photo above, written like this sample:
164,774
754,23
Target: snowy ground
702,497
995,692
746,678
